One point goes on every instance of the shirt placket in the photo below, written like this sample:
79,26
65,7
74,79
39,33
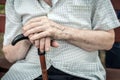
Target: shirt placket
44,5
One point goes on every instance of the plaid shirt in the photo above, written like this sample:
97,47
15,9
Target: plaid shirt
81,14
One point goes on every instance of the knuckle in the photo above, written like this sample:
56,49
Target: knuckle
50,31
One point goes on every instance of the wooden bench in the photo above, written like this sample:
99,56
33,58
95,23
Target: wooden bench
116,5
112,74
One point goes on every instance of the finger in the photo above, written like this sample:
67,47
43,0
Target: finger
37,29
33,42
32,25
42,45
47,44
40,35
54,43
37,43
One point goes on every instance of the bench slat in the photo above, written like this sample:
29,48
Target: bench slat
117,34
2,1
2,23
113,74
116,4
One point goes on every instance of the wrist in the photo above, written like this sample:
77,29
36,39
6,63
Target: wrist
67,33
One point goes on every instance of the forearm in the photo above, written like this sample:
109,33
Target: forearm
88,39
17,52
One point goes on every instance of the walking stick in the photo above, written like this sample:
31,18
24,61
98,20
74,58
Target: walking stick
41,56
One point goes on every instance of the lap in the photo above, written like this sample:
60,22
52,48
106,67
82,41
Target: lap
55,74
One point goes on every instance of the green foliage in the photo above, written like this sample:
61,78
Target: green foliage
2,9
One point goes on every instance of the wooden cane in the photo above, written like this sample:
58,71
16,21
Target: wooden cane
41,56
43,65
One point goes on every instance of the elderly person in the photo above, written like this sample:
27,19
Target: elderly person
76,30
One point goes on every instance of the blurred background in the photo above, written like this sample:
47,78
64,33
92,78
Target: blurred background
2,11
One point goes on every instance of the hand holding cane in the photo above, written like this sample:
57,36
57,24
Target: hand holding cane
41,56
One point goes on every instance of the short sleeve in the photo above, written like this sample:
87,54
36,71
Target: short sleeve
104,16
13,23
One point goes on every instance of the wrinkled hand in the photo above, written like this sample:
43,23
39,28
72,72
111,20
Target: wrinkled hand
43,43
42,27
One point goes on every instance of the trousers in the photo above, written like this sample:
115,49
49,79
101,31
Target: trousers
55,74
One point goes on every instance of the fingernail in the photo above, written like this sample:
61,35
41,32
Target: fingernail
47,49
